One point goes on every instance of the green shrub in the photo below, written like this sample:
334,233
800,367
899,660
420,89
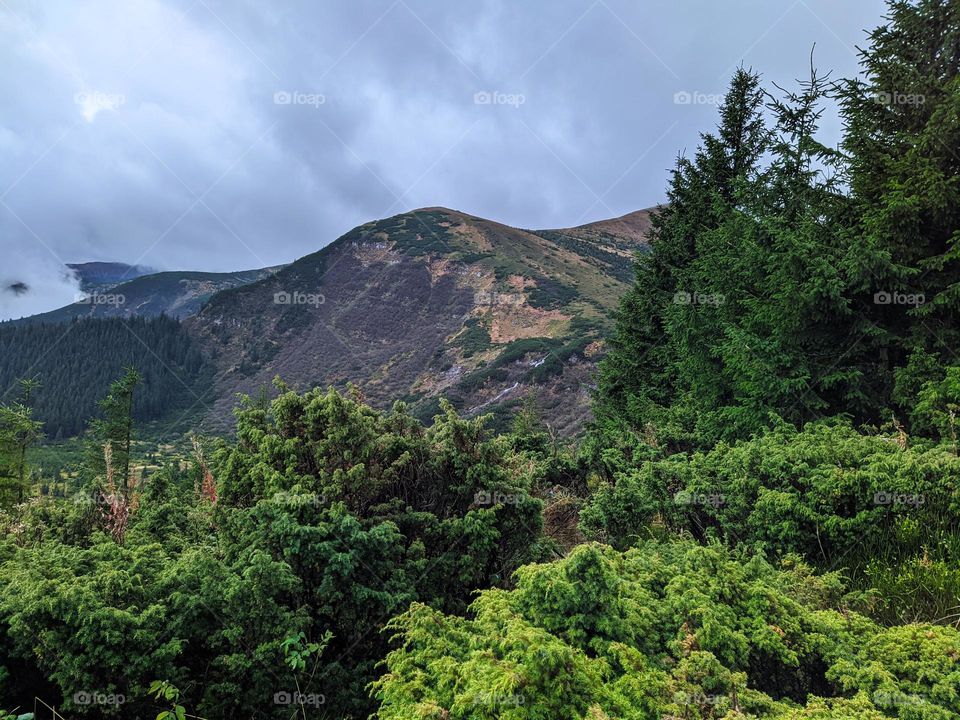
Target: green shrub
664,630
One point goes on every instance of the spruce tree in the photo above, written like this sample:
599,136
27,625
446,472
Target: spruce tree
18,432
903,142
115,429
642,373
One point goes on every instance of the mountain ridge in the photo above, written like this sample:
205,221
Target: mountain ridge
421,305
426,303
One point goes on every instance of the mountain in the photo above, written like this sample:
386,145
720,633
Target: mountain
98,276
176,294
430,303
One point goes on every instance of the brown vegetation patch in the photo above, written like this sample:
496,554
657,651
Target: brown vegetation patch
372,253
561,517
516,322
519,282
594,349
473,236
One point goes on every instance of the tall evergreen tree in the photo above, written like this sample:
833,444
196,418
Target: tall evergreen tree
903,142
639,374
18,432
115,430
697,199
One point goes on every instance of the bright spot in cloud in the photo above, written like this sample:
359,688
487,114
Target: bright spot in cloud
92,102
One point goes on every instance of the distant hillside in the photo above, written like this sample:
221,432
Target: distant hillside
76,363
98,276
426,304
176,294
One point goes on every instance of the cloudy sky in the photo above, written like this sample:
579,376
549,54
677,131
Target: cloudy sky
231,134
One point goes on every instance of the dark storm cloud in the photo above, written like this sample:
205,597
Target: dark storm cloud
224,135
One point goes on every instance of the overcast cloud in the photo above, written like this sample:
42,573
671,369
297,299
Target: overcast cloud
229,134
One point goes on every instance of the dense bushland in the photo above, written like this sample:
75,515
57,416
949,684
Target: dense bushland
325,518
667,629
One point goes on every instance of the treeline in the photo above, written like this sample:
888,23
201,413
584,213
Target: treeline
789,279
76,362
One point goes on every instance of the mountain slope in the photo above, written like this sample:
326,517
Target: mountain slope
98,276
429,303
176,294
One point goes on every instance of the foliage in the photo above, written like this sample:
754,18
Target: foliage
329,518
789,280
18,432
774,465
665,630
840,498
114,431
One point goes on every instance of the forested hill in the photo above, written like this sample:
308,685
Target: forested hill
427,304
76,362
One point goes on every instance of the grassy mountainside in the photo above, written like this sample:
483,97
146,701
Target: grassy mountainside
429,303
